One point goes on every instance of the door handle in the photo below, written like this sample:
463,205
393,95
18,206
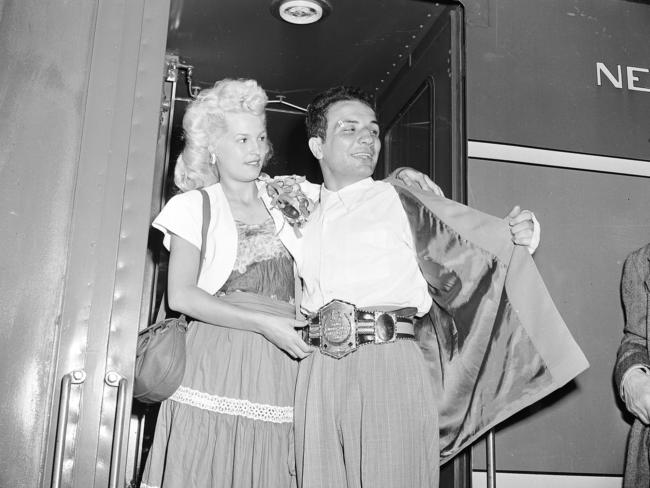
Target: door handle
115,379
73,378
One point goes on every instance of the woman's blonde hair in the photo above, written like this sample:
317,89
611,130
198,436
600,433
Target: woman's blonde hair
205,121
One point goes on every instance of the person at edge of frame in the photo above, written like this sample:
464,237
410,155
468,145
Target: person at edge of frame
632,368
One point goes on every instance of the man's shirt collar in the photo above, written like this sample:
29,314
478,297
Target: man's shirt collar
349,195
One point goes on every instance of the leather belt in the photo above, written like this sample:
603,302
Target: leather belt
339,327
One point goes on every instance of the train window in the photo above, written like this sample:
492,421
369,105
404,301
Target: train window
423,108
409,139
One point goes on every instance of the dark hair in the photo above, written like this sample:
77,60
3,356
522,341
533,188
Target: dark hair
316,119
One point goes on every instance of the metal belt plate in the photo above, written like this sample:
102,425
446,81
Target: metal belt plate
338,328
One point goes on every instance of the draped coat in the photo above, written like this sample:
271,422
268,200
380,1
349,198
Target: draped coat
494,341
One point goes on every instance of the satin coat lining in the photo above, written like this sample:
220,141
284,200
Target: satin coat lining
494,341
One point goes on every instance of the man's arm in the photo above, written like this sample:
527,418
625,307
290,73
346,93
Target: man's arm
632,361
524,227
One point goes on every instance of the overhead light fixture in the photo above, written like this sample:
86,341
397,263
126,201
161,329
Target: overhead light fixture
300,11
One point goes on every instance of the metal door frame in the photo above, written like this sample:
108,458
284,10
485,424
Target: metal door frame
459,469
141,414
107,246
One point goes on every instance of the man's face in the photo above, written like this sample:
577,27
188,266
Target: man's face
351,147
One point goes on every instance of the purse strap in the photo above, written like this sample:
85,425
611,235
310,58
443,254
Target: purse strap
162,310
204,228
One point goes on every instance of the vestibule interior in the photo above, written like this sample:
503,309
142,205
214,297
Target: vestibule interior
375,45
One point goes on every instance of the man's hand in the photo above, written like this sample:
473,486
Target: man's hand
413,178
636,393
522,227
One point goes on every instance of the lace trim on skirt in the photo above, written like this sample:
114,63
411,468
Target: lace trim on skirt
233,406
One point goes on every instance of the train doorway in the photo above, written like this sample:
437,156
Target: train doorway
408,53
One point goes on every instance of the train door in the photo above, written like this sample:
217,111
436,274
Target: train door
424,116
79,134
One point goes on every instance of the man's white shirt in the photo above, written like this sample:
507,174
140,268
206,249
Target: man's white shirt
358,247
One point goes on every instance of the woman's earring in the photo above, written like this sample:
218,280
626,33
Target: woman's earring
213,158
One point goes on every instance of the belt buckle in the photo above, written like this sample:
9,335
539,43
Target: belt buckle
338,328
385,327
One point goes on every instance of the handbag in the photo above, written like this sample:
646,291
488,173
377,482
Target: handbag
160,354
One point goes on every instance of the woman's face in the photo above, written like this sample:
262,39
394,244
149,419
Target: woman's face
242,149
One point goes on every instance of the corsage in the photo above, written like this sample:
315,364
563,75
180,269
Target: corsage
287,196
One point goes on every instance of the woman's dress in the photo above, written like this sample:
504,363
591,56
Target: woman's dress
230,424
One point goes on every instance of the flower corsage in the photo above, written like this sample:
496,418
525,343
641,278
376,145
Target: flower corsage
287,196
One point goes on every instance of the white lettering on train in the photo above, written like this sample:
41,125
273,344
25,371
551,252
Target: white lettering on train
616,79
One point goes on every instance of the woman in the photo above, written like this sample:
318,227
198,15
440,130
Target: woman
230,422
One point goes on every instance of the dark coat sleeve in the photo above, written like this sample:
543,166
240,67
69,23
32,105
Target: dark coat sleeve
633,350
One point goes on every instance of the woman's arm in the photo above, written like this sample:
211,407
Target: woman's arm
186,297
416,179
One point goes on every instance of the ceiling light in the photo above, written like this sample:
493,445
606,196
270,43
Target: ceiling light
300,11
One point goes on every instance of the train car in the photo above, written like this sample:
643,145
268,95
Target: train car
544,104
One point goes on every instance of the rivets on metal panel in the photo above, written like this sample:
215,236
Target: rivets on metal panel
77,376
112,378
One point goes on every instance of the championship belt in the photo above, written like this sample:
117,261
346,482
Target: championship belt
339,328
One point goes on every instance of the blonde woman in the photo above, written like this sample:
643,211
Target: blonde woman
230,422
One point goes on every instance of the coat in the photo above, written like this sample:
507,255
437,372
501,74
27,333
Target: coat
494,341
633,351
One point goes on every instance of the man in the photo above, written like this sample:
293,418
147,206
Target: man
632,369
366,403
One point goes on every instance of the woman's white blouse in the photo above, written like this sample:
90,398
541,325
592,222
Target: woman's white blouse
183,216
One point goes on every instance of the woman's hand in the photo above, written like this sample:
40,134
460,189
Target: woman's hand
281,331
416,179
